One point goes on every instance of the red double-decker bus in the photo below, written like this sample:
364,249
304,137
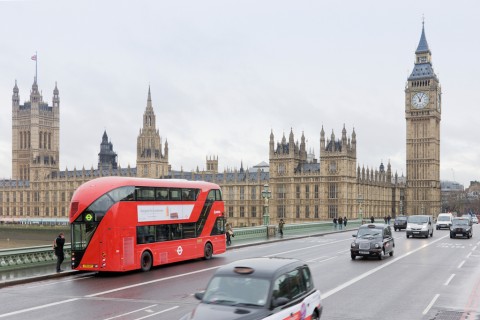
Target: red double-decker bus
121,223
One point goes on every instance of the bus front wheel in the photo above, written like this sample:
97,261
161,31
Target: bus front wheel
146,261
208,251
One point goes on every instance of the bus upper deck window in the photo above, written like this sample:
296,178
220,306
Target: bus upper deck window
211,195
161,194
175,194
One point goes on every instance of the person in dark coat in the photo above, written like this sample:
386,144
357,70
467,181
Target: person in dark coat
372,218
58,246
229,233
335,223
340,222
280,227
345,221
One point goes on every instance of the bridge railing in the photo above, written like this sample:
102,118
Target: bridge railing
247,233
42,255
18,258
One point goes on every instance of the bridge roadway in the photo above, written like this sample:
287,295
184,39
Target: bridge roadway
24,264
435,278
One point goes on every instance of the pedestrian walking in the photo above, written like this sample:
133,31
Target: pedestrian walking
385,219
58,244
335,223
229,233
372,219
340,222
280,227
388,219
345,221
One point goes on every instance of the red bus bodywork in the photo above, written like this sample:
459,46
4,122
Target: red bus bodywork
114,229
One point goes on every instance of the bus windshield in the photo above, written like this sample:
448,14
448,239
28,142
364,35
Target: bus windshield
85,225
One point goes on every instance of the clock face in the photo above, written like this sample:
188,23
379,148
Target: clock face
420,100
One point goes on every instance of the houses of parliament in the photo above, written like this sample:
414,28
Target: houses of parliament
302,188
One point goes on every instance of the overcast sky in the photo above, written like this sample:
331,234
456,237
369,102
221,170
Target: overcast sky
224,74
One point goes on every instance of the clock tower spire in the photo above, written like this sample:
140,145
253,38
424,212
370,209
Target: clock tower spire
423,115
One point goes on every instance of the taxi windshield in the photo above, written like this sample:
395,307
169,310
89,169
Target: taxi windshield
237,291
463,222
369,233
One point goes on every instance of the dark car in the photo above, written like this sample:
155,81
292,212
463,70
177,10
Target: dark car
374,239
461,227
400,223
259,288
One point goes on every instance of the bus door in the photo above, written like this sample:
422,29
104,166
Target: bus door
126,247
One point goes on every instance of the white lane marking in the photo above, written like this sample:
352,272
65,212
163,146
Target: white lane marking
154,314
449,279
341,252
37,308
326,259
461,264
430,304
149,282
126,313
57,282
306,248
468,255
105,292
474,248
366,274
315,259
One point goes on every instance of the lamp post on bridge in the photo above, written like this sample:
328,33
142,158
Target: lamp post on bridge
360,202
266,194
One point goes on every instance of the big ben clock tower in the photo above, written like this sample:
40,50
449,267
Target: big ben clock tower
423,114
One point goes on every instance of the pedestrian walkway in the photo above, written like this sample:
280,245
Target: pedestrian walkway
24,275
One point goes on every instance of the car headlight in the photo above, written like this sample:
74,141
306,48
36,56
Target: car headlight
377,245
424,228
353,244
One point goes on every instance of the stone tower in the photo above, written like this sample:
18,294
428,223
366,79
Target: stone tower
212,164
107,158
35,135
151,161
423,114
338,161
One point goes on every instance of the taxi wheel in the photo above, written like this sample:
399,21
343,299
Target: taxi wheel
208,251
146,261
353,256
391,253
315,315
380,255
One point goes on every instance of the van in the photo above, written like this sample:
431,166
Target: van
444,220
419,226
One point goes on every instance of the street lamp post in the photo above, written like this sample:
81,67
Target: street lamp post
266,194
360,202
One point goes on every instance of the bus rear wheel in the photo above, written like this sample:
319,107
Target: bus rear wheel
146,261
208,251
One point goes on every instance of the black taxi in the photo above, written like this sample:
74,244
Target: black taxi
259,288
374,240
